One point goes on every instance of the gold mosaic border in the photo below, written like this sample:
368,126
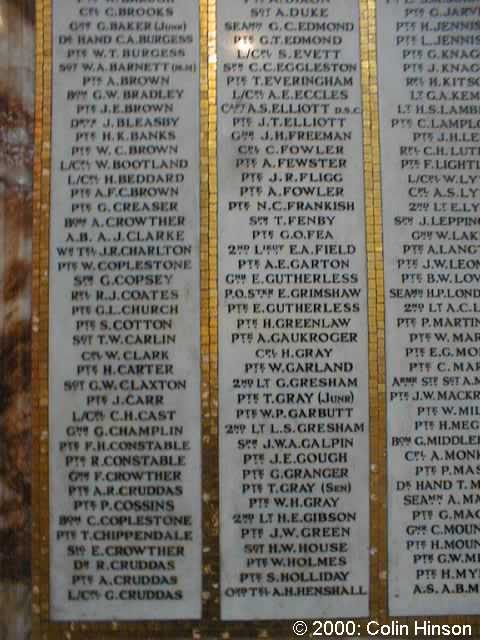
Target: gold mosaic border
211,615
37,168
209,448
376,319
42,627
41,214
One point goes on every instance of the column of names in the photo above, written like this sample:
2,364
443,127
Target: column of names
430,139
124,372
293,357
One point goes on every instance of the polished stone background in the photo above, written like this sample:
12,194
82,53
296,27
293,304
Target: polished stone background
16,158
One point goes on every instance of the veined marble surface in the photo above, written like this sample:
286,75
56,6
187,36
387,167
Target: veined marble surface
16,158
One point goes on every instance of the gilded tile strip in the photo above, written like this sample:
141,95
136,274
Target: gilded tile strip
376,321
41,206
210,600
212,614
37,336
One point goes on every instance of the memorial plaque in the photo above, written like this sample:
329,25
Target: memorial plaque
124,313
430,135
256,310
292,312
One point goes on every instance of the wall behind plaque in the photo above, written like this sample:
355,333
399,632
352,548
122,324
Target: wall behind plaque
16,160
